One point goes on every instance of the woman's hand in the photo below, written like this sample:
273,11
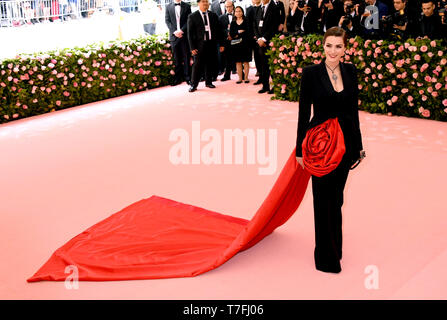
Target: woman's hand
300,161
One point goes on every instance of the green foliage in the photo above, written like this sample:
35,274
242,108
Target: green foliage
55,80
400,78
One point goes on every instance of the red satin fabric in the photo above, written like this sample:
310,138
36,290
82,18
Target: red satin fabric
323,148
161,238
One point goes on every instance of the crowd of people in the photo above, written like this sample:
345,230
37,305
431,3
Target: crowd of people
223,36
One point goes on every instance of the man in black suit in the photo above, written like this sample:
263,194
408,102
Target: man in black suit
225,21
307,17
218,7
332,11
204,32
250,16
265,27
282,15
176,19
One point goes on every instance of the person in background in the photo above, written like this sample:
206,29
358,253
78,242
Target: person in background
240,35
250,16
292,21
350,21
226,56
265,27
332,10
204,33
176,18
430,25
218,7
282,15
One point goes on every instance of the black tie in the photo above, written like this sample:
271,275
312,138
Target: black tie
263,11
177,4
207,35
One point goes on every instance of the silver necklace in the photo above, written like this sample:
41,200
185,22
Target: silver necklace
334,76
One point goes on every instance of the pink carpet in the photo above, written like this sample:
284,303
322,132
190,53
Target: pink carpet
65,171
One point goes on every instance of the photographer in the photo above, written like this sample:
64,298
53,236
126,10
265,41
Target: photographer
366,31
398,25
307,16
430,25
292,21
331,10
350,21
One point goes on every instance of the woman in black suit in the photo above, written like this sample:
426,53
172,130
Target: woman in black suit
332,88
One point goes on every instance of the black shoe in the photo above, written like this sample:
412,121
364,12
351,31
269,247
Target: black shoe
238,82
225,79
188,82
270,91
247,81
192,88
212,86
263,90
257,82
214,79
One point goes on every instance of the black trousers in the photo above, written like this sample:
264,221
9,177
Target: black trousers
328,200
182,58
264,72
227,59
204,60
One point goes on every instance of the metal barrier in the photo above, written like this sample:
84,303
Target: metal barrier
22,12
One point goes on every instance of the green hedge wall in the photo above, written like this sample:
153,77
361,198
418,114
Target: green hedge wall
407,78
46,82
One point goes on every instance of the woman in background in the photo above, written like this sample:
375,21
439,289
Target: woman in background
240,45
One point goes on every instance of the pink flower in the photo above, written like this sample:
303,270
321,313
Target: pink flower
424,49
66,93
426,113
389,102
410,98
367,70
157,63
394,99
433,43
154,78
417,57
444,102
58,103
434,94
404,90
415,75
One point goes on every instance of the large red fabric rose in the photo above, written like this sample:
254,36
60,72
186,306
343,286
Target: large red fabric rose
323,148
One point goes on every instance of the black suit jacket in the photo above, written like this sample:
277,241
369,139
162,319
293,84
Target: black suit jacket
250,16
270,22
196,30
311,20
316,88
224,23
281,12
171,21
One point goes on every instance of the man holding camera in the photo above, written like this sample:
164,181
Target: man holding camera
331,10
350,21
399,25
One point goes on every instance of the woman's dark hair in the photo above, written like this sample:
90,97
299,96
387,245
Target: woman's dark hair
243,14
336,32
